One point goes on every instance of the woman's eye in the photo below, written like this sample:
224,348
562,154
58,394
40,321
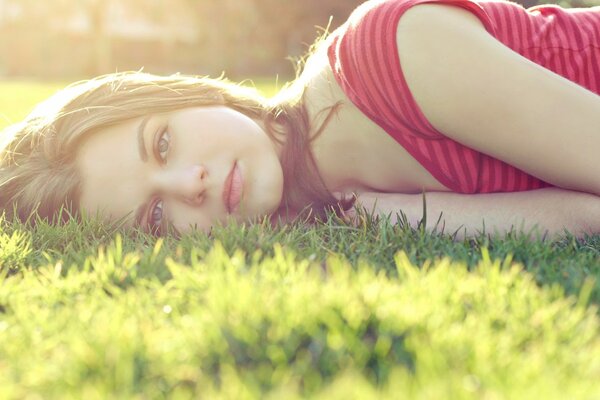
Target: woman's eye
162,145
156,215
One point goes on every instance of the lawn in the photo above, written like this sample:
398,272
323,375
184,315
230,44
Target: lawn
17,98
326,311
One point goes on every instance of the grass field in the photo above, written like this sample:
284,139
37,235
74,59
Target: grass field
17,98
326,312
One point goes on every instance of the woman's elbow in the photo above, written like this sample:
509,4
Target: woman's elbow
583,217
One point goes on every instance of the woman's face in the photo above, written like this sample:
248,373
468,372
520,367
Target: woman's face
189,168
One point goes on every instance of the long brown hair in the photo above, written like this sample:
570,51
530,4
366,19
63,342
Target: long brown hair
37,156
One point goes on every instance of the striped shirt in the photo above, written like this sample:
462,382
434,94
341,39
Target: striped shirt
364,57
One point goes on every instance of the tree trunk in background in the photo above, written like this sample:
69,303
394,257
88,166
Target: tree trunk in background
101,51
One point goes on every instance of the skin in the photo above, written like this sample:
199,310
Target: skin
189,153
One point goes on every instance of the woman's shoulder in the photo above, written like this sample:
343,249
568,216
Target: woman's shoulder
376,17
321,89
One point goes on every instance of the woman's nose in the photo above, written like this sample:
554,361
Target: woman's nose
188,184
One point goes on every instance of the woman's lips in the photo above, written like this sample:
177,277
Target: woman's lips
233,189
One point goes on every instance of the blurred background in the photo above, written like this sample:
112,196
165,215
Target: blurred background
71,39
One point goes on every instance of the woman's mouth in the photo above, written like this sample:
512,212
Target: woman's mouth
233,189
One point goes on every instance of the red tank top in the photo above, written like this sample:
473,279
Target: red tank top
364,57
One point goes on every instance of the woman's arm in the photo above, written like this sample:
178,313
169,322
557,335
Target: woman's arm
486,96
547,211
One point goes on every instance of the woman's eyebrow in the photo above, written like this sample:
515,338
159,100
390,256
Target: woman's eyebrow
141,142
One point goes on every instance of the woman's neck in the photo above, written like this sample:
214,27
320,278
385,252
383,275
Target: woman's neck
339,147
353,153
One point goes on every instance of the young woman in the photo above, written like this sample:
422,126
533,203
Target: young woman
490,109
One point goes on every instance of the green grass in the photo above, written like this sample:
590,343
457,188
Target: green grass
325,311
17,98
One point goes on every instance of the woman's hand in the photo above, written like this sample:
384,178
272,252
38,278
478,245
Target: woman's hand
376,204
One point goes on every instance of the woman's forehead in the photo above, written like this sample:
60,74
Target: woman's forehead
109,164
